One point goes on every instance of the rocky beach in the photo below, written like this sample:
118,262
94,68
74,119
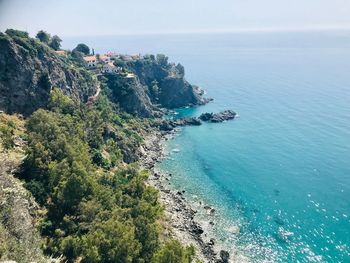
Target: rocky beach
180,215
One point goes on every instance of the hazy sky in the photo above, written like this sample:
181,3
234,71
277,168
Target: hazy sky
110,17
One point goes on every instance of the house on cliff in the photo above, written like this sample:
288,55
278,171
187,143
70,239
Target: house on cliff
110,68
91,61
105,58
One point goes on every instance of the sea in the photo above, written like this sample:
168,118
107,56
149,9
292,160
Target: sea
278,176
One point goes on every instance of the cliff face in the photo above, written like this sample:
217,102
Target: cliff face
28,72
130,95
165,83
150,85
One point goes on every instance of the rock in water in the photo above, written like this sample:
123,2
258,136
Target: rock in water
197,229
188,121
218,117
206,116
224,256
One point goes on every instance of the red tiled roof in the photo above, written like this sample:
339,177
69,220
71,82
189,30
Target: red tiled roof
89,58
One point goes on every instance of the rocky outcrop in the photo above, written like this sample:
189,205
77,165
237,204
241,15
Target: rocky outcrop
169,124
177,92
30,69
218,117
187,121
165,83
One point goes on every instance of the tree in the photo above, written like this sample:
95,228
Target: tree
82,48
7,137
173,252
43,36
162,59
78,57
93,215
55,42
58,102
155,91
180,69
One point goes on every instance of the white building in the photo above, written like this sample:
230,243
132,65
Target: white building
91,61
110,68
105,58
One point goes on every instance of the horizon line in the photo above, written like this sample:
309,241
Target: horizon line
221,31
210,31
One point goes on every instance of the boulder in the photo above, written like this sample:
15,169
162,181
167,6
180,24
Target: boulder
197,229
224,255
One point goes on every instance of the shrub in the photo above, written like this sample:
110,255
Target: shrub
17,33
173,252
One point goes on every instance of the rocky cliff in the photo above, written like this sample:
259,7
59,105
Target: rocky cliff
165,82
152,84
30,69
130,95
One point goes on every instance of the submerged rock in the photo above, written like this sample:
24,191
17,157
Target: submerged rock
284,235
234,230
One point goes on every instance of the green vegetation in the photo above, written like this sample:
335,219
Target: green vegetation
17,33
80,164
173,252
97,209
155,90
55,42
82,48
19,239
11,130
180,69
162,59
43,36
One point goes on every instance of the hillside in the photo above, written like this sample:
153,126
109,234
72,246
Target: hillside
79,193
30,69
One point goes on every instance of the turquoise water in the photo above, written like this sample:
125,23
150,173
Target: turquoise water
281,171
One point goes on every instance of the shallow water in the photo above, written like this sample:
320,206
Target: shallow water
281,170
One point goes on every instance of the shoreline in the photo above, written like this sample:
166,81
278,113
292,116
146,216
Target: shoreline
180,222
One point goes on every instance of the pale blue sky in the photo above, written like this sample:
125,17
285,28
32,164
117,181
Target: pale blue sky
111,17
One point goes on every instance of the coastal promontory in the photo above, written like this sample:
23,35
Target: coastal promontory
75,135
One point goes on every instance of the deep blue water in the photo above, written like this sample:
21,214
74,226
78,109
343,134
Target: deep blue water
281,171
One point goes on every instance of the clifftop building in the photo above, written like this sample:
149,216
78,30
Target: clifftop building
91,61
